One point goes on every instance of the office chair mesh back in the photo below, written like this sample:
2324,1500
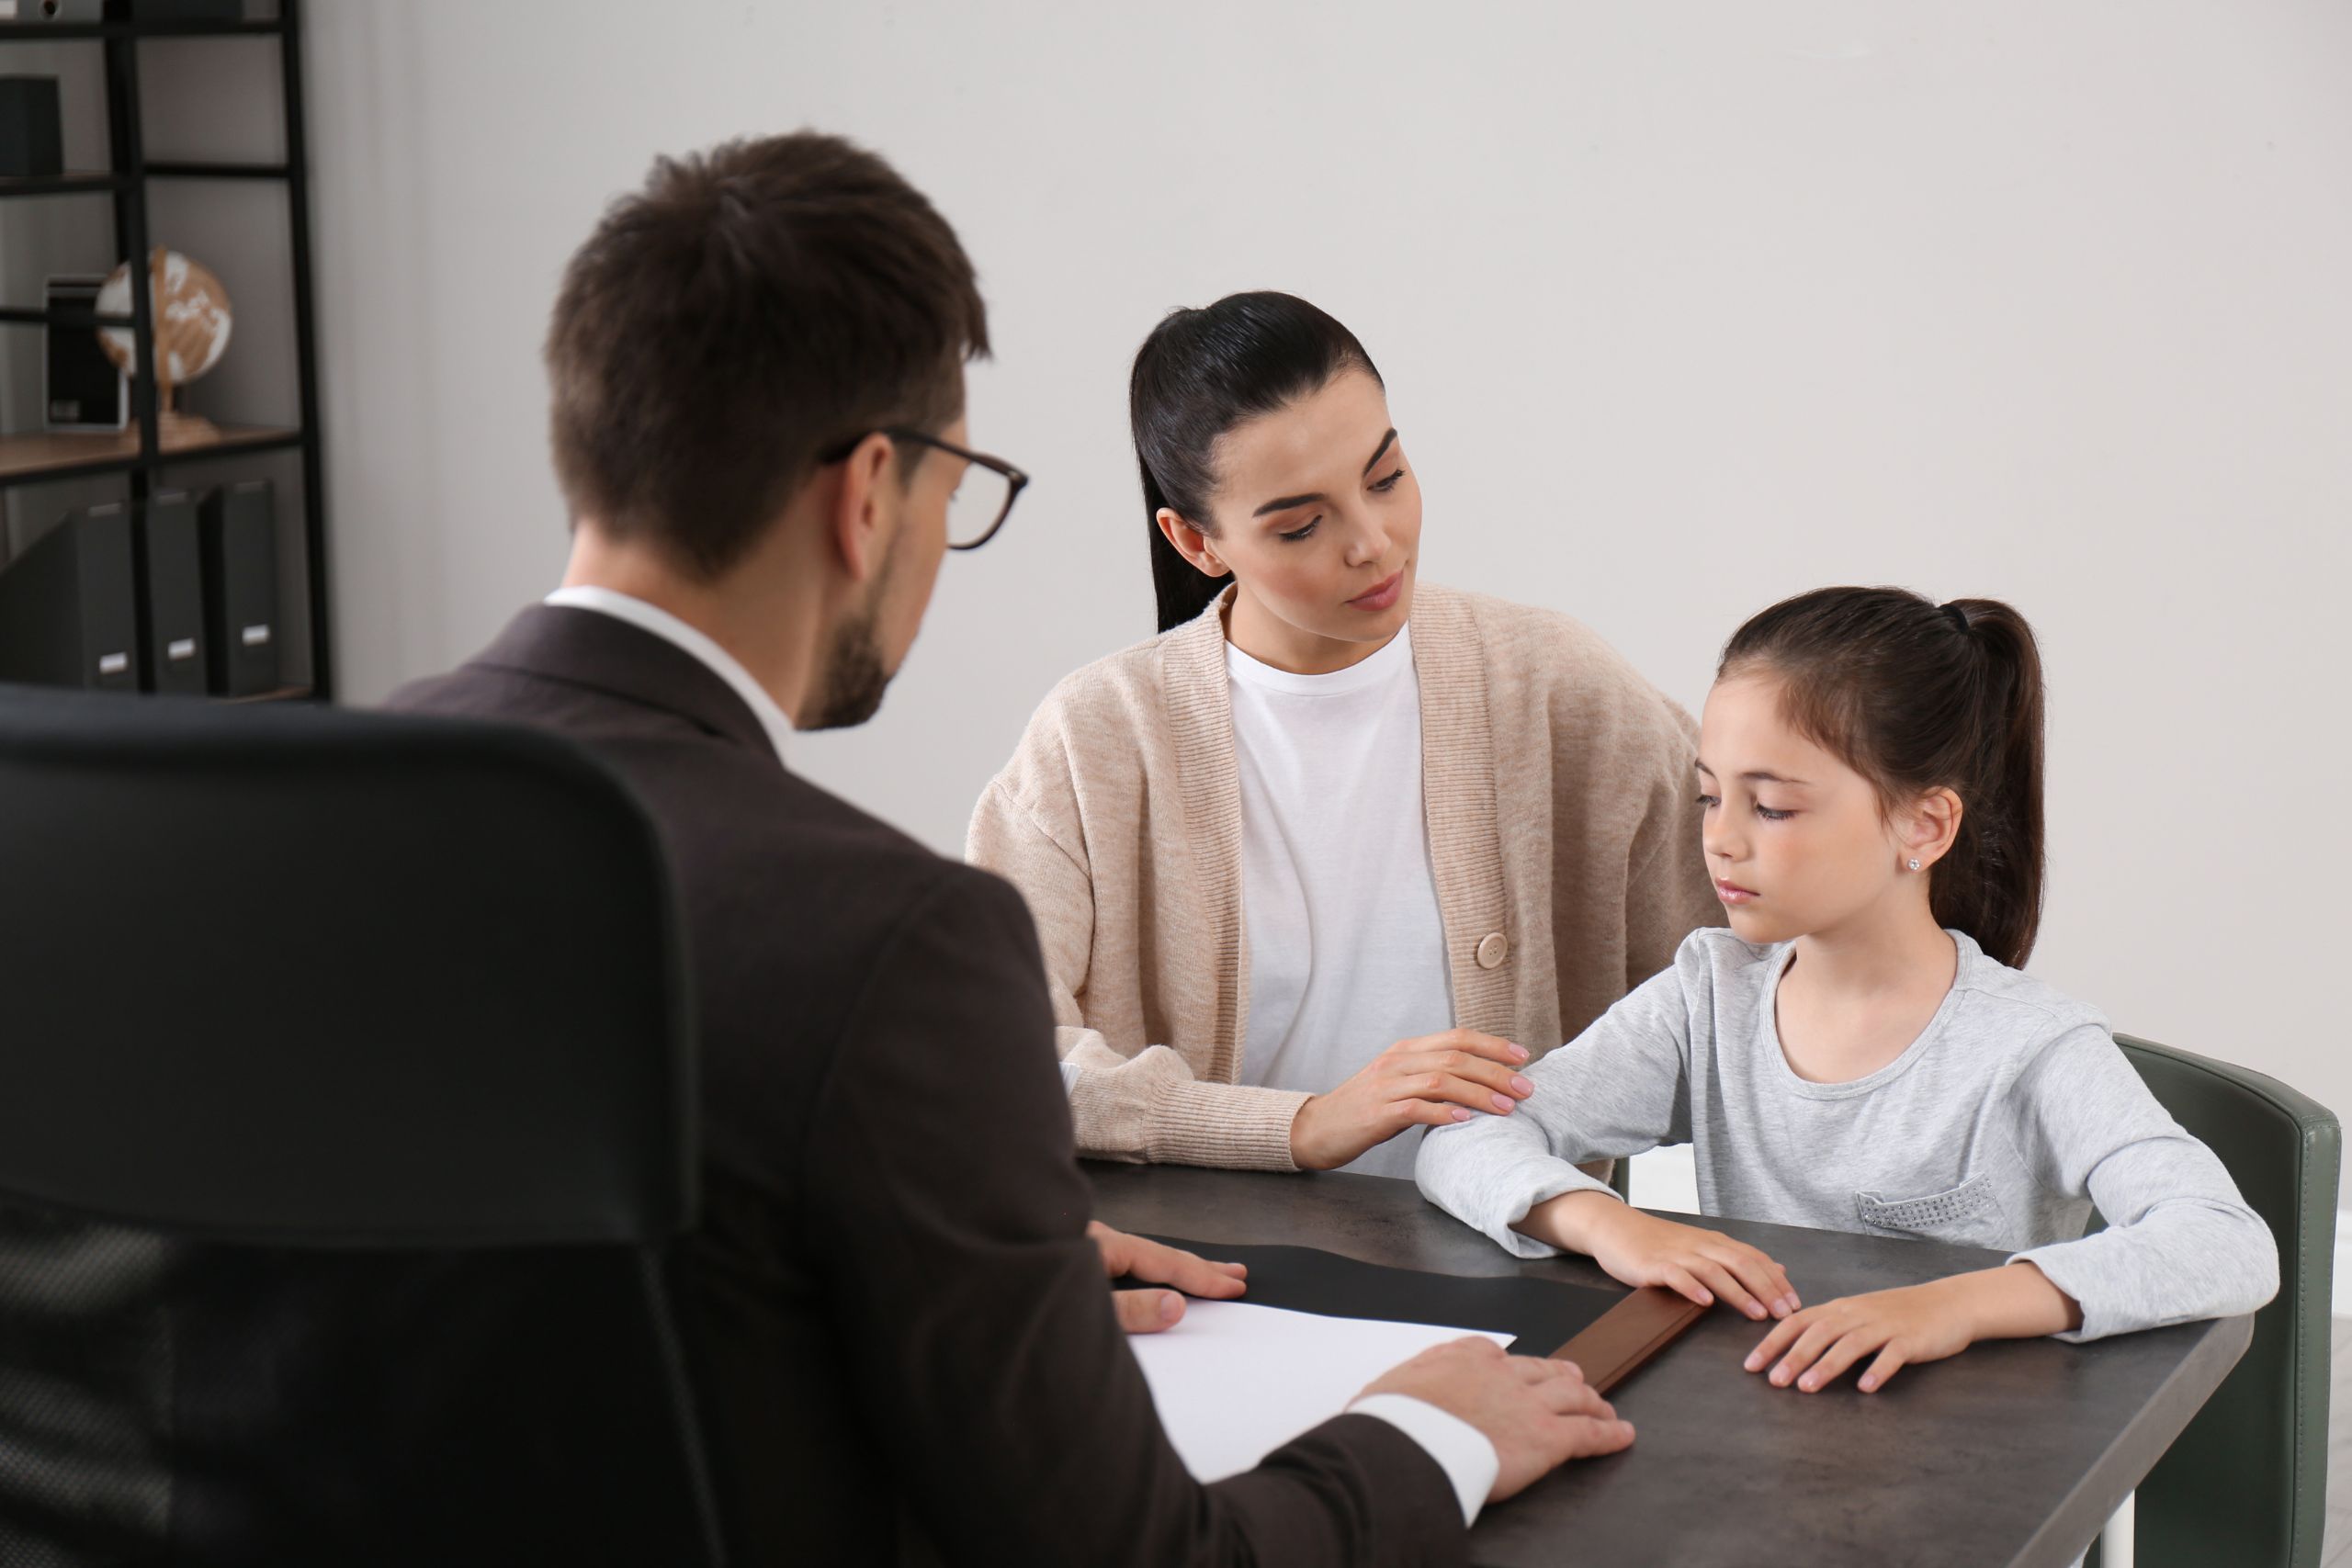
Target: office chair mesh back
344,1124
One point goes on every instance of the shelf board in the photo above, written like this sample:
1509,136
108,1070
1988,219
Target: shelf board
75,182
282,694
56,454
68,317
81,182
47,32
183,170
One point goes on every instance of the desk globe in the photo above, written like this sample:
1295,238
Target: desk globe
191,315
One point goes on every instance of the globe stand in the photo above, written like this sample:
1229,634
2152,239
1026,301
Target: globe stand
174,428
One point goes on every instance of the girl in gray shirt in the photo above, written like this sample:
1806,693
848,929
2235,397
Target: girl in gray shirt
1858,1052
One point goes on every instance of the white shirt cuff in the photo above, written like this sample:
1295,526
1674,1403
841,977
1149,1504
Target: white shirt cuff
1461,1449
1069,1078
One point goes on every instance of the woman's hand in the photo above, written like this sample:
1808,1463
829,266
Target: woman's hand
1148,1312
1435,1080
1642,1249
1916,1322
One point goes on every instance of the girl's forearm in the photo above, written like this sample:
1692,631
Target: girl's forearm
1567,1222
2013,1302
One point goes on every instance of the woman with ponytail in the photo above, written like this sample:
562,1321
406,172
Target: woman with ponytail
1860,1052
1314,866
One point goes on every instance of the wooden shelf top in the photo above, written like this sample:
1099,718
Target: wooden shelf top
55,454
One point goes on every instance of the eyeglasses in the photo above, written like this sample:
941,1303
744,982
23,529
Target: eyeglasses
983,499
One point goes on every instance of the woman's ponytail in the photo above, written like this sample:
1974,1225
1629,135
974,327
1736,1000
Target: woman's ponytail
1182,588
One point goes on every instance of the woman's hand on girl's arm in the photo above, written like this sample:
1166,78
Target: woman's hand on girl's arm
1642,1249
1916,1323
1435,1080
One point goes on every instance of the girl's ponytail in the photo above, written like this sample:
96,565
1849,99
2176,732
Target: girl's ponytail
1990,884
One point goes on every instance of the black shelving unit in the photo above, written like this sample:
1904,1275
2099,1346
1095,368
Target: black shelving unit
139,454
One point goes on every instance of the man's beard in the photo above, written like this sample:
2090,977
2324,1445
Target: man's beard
853,679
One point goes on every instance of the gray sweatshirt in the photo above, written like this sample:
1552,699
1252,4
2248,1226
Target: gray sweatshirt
2000,1127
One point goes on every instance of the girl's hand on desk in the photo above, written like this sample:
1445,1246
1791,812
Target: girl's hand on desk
1642,1249
1432,1081
1916,1323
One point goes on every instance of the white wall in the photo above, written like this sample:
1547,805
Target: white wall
1682,306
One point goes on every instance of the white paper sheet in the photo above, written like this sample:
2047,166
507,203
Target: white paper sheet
1234,1382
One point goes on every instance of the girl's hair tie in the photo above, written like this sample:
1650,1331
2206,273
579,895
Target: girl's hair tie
1959,616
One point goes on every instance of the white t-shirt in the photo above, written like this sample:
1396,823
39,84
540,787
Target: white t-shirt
1347,949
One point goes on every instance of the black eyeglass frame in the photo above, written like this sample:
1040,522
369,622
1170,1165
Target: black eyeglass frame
1015,479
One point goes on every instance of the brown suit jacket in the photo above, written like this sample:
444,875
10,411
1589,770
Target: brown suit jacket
900,1332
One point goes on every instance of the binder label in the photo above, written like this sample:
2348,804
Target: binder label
183,647
113,663
255,637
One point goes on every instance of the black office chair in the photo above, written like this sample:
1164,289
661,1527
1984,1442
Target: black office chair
345,1099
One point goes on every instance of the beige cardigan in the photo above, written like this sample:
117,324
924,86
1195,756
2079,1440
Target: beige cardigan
1562,831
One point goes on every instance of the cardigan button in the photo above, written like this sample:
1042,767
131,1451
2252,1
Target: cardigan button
1492,950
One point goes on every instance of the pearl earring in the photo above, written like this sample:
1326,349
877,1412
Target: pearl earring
1915,865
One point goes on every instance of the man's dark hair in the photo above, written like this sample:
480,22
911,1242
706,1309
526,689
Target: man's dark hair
754,305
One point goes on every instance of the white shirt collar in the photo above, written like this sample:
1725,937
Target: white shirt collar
667,626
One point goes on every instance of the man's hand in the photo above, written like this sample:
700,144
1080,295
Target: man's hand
1538,1414
1642,1249
1432,1081
1148,1312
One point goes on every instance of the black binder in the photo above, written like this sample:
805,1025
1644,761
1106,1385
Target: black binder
69,608
240,587
170,595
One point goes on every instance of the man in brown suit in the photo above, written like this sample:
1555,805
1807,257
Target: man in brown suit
895,1306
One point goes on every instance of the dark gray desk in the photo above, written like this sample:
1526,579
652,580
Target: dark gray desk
2015,1454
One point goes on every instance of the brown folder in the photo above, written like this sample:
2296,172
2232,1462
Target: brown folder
1618,1342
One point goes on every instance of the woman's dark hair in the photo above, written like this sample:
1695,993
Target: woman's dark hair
1916,696
1198,375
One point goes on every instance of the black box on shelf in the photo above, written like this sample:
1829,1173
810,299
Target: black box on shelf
81,389
69,613
32,143
170,595
240,536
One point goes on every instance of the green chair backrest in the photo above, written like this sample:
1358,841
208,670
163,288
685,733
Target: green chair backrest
2245,1483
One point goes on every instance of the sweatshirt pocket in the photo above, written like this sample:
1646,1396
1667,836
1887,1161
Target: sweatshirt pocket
1967,1214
